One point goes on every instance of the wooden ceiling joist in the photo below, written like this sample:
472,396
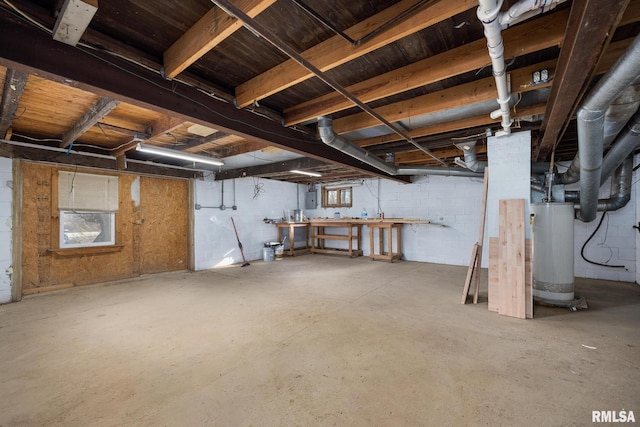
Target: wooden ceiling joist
336,51
121,80
14,83
93,115
520,40
271,168
456,96
210,30
464,123
164,124
591,24
417,156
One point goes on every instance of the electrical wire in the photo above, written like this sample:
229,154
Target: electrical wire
589,239
88,47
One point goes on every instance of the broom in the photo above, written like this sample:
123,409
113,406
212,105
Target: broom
244,260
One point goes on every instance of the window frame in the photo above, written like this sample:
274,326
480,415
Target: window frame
325,197
112,231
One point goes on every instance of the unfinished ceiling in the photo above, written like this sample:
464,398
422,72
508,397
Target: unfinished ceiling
189,77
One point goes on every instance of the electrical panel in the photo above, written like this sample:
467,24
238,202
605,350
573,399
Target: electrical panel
311,200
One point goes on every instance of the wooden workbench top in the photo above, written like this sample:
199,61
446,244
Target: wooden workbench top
369,221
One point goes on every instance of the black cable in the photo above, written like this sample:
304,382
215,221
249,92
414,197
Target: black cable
591,237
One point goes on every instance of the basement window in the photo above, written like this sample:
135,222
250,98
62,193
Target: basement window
336,197
88,205
86,229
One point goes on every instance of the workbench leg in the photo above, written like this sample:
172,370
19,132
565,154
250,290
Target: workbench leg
292,236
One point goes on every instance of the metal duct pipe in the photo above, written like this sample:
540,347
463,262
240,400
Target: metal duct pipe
628,140
470,156
488,14
617,115
329,137
620,187
426,170
591,126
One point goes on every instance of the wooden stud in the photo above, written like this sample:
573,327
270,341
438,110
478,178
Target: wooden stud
483,212
467,280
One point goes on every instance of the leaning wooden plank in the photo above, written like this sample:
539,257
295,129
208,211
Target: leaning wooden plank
493,287
483,213
512,253
467,281
528,268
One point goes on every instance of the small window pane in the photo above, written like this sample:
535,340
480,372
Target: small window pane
336,197
332,197
79,229
345,197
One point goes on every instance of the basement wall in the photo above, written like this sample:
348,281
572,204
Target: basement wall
451,203
214,239
6,196
614,244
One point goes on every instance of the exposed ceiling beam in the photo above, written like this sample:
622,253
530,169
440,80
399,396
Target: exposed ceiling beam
158,128
465,123
210,30
76,159
31,50
453,97
117,48
531,37
93,115
336,51
14,83
590,27
416,156
271,168
275,41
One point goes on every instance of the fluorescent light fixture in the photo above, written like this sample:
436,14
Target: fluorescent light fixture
316,174
144,148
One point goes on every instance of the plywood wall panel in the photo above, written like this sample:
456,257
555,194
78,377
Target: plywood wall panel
44,269
163,233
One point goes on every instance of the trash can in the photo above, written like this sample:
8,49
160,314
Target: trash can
268,254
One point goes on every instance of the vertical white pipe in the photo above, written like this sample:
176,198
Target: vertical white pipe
488,11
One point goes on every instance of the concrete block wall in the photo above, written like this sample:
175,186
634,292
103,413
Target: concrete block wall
6,196
214,239
509,159
452,201
615,243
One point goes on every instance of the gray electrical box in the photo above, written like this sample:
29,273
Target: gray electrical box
311,200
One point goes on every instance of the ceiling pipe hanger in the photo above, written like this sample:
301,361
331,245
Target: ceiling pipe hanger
270,37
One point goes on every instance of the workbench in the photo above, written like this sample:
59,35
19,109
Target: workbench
319,236
353,236
291,226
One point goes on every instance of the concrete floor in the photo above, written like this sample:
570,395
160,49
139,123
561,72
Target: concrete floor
313,340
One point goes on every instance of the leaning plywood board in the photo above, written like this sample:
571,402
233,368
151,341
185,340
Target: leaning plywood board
494,294
511,263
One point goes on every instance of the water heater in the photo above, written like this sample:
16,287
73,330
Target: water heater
553,251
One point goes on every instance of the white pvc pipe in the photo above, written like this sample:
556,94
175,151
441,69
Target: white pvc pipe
494,22
487,12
